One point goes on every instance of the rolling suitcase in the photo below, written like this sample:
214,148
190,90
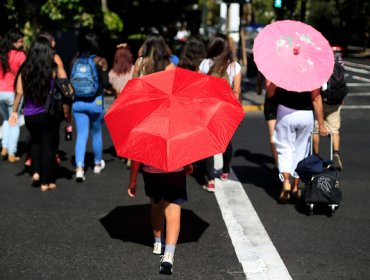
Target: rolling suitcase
322,190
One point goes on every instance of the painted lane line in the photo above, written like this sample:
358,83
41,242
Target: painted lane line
357,70
357,65
356,107
360,78
358,94
358,84
254,248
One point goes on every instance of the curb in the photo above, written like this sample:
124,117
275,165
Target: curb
252,108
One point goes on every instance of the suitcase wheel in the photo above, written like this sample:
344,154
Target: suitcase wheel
310,209
333,208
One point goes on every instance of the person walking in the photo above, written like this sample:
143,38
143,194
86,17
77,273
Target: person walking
294,124
89,76
220,62
122,70
333,93
61,73
11,58
192,54
166,190
35,80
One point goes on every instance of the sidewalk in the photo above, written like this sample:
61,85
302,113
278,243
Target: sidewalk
251,100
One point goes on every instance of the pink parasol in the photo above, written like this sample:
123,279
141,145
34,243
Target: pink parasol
293,55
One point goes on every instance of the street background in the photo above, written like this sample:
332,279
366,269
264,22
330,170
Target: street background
93,230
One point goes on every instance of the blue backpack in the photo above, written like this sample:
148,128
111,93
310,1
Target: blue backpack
84,77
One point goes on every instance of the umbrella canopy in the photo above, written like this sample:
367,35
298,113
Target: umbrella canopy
293,55
172,118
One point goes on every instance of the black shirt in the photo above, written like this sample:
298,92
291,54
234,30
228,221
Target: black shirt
294,100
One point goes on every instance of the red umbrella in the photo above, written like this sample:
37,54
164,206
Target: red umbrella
172,118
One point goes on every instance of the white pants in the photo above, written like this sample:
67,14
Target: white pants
292,137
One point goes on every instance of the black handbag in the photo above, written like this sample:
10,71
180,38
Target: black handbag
65,88
61,92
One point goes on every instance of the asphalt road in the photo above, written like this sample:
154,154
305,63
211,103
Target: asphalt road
94,231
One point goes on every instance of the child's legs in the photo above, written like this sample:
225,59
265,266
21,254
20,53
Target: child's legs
82,125
226,157
209,168
97,140
157,217
172,214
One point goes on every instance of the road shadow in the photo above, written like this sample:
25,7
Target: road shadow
110,151
132,224
262,176
199,172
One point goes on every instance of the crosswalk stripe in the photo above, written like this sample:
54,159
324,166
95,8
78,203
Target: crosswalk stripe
254,248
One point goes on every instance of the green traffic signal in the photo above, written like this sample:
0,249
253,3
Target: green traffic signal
278,3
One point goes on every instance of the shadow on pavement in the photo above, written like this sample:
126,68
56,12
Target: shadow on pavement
132,224
262,175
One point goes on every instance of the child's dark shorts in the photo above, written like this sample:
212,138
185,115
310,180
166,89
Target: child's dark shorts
170,187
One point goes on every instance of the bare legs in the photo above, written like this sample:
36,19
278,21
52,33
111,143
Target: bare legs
169,212
316,143
271,127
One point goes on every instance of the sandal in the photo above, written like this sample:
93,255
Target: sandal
52,186
35,177
297,194
285,193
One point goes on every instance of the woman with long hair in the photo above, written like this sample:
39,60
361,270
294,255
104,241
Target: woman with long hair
11,58
192,54
88,111
166,190
122,70
34,81
155,56
220,61
61,74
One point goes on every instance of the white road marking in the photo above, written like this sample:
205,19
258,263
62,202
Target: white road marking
359,94
358,84
360,78
357,70
356,107
254,248
357,65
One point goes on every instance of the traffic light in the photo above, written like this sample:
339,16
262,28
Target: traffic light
278,4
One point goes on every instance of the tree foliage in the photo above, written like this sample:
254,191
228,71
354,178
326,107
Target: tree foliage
62,15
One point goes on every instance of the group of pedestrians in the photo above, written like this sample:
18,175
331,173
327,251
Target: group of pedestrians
294,119
26,82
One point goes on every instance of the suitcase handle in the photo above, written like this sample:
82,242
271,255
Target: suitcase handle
330,135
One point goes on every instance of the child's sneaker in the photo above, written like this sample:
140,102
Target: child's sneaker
224,176
157,248
209,187
99,168
166,263
80,176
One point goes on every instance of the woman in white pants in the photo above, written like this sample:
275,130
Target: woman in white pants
294,124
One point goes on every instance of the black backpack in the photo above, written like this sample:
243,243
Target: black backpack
337,86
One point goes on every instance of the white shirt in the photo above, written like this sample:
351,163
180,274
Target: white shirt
232,70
